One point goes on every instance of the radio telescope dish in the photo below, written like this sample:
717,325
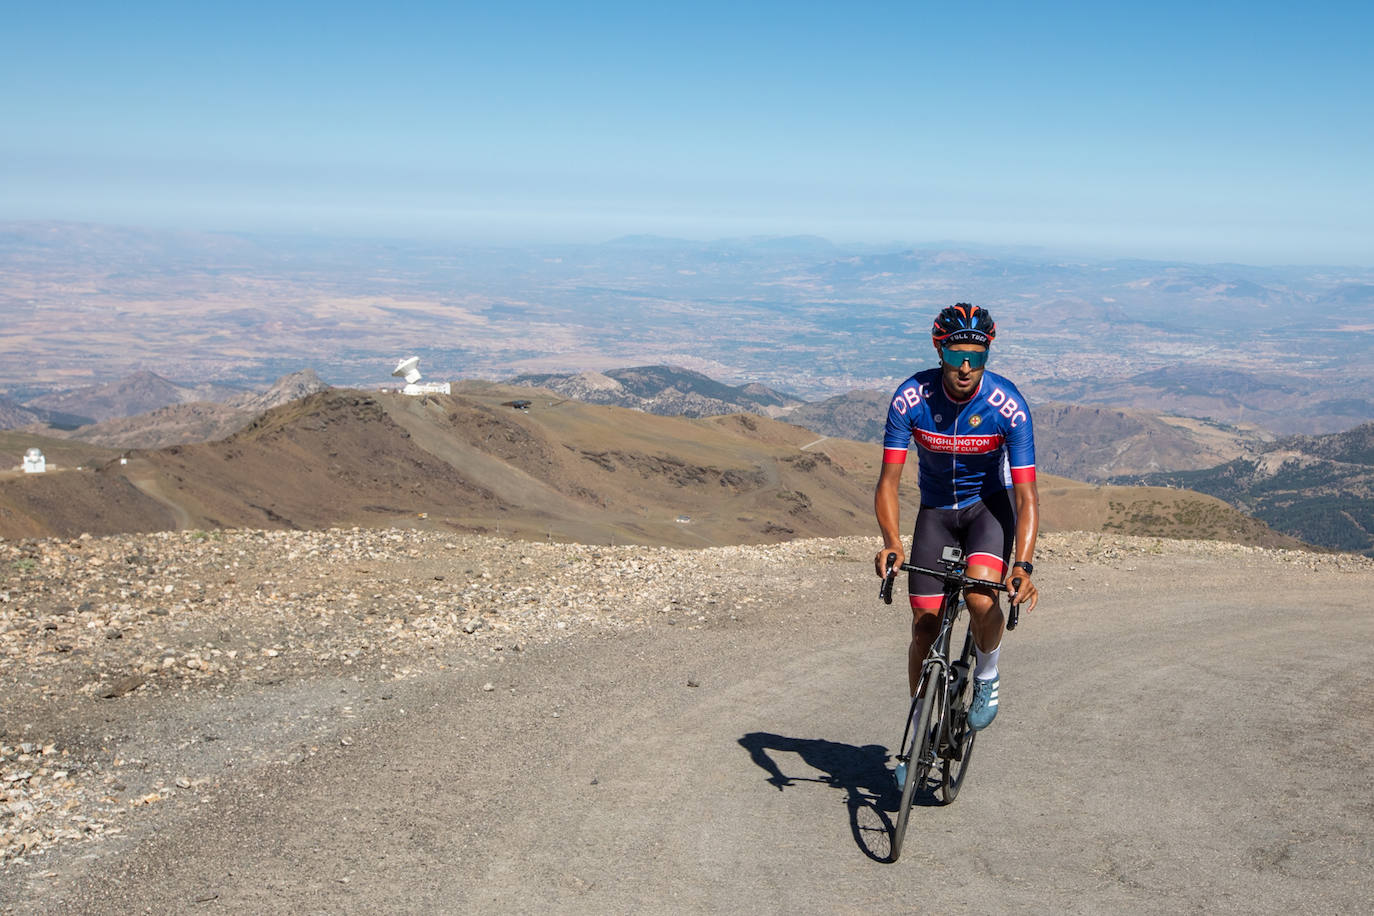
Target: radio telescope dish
408,369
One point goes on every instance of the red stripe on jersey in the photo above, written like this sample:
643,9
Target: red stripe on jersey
1023,475
926,602
894,456
958,445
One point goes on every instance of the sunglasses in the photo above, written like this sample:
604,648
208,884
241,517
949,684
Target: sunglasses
976,359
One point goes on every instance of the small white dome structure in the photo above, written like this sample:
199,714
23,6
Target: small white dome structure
34,462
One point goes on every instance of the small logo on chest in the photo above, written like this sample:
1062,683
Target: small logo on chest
975,420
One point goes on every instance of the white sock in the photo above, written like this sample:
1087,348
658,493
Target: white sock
986,667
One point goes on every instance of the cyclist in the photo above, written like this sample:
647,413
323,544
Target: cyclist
976,458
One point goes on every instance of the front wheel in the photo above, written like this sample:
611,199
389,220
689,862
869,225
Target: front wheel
919,747
956,765
958,746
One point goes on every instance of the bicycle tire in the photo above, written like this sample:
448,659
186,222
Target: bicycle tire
961,737
919,750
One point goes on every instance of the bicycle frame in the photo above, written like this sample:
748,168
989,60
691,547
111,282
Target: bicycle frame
937,661
931,738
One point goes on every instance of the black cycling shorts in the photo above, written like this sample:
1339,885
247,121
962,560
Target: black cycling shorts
985,531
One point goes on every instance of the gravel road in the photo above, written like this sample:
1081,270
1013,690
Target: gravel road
1184,727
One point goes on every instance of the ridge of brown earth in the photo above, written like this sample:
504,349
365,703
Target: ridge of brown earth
1092,443
559,470
106,644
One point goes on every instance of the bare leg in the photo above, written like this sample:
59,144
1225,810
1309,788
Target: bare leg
925,626
985,612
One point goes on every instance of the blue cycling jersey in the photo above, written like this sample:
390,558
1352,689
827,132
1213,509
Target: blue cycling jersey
966,449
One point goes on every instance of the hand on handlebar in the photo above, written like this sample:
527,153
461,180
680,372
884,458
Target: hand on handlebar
881,565
1020,588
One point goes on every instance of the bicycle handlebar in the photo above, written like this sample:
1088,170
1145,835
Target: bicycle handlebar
951,575
956,575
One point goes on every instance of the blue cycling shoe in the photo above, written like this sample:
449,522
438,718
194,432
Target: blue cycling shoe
983,709
899,774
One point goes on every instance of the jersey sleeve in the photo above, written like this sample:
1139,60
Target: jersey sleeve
897,431
1021,443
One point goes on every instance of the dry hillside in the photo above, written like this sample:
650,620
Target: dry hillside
562,469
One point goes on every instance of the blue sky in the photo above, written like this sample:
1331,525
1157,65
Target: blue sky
1221,131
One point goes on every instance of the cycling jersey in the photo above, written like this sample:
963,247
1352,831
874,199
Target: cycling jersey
966,449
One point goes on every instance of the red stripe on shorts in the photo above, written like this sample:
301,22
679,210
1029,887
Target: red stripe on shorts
987,559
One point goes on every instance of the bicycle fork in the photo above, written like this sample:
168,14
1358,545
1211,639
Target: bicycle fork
936,666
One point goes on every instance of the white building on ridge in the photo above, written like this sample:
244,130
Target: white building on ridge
34,462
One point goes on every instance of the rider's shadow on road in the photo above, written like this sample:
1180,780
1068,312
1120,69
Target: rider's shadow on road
861,772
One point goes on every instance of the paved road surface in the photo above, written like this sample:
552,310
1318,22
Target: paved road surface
1161,749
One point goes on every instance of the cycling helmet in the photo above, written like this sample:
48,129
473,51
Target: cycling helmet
963,323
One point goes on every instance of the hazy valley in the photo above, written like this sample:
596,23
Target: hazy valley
83,305
1161,373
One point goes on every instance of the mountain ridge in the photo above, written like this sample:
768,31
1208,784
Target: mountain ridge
1318,488
188,422
139,392
560,469
662,389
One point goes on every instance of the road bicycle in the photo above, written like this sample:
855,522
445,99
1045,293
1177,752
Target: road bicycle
937,736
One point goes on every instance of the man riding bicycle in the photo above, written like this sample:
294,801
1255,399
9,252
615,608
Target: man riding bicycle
976,460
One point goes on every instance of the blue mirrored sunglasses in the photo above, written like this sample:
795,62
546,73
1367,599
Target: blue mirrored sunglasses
976,359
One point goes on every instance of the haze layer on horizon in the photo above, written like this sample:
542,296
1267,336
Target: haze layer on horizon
1234,132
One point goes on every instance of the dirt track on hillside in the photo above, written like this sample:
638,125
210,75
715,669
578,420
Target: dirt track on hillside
1184,728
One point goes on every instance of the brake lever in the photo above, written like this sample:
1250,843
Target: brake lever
885,590
1014,612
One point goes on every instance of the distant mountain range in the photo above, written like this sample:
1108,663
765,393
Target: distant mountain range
669,391
199,421
136,393
1224,393
130,423
14,415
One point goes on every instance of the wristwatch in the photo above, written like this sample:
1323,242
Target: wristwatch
1030,570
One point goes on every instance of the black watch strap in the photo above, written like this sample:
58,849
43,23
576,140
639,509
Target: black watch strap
1030,570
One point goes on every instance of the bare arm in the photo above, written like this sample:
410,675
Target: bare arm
888,510
1027,528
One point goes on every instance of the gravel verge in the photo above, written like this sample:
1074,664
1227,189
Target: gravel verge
110,646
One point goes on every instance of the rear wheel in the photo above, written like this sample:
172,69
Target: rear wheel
918,752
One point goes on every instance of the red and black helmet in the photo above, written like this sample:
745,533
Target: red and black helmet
963,323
